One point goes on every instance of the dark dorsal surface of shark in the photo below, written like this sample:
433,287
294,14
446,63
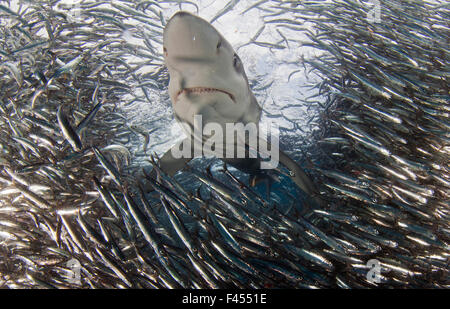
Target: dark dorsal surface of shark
207,78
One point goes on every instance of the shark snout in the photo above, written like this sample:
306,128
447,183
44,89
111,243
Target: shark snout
189,37
181,14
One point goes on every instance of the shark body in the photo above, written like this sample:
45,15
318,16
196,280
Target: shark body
207,78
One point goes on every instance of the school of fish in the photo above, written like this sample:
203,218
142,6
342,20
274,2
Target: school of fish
69,191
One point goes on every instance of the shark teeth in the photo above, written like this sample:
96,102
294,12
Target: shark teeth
202,90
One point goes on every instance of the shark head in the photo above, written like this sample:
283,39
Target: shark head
207,77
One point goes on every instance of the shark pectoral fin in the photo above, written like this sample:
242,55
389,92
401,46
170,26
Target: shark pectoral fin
168,163
171,164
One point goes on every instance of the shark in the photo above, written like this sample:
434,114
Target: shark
207,78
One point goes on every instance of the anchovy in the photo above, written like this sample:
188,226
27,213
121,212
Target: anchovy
228,237
68,131
112,171
179,227
215,185
147,231
86,120
106,196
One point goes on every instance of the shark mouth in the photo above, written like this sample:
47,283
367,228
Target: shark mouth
202,90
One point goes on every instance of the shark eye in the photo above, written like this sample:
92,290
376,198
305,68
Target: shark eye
237,63
219,44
